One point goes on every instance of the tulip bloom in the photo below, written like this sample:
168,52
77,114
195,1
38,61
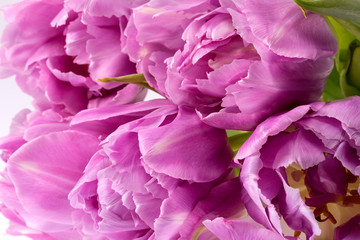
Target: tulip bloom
139,185
237,62
116,172
301,170
56,51
34,186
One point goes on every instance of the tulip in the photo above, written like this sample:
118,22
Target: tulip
303,166
116,172
140,185
56,51
236,62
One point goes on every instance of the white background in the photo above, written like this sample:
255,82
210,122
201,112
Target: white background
12,100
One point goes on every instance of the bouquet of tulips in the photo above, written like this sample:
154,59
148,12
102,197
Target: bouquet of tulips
254,133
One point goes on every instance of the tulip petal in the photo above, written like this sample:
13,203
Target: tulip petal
239,229
301,146
329,130
349,231
296,214
282,26
270,127
51,176
177,208
186,148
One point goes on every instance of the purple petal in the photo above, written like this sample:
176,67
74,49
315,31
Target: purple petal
222,77
103,8
13,210
347,112
270,127
176,209
239,229
110,60
51,176
185,142
287,84
76,38
105,120
189,205
301,146
29,23
186,4
282,26
329,130
119,110
83,195
223,200
63,68
230,118
327,177
148,208
296,214
347,156
252,197
63,93
349,231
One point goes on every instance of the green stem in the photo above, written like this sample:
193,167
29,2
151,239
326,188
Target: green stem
137,79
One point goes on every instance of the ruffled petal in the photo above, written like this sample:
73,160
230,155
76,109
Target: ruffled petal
296,214
301,146
347,112
107,60
103,8
270,127
282,26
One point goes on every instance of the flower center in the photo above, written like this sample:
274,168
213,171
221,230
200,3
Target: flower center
333,199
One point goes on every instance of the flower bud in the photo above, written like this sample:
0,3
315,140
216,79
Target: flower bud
350,74
354,68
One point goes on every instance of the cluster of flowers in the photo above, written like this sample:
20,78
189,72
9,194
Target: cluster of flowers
94,161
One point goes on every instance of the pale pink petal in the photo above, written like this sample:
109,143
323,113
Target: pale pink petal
51,175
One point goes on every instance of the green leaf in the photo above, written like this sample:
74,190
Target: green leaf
332,89
344,80
351,28
344,38
237,138
348,10
350,74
